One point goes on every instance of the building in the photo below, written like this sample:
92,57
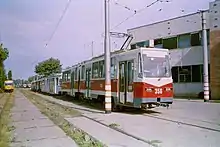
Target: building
183,36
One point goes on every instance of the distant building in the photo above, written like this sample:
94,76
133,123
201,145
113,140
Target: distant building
183,36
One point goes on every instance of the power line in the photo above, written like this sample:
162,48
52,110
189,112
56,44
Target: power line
139,11
126,7
60,19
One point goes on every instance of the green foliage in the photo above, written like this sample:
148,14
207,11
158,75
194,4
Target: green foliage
30,79
4,53
48,67
9,75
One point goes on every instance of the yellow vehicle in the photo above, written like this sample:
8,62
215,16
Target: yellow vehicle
9,86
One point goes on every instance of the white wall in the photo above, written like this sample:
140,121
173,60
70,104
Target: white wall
191,89
168,28
214,13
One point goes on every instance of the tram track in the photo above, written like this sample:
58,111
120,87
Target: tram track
182,123
114,128
103,124
145,113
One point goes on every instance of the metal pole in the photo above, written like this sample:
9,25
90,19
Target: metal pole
107,61
205,58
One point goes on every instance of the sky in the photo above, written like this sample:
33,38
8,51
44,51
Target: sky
27,25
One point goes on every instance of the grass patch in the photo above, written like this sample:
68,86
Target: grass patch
114,125
155,143
57,114
216,101
1,91
86,103
6,103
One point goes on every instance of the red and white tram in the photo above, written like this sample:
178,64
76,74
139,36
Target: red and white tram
139,78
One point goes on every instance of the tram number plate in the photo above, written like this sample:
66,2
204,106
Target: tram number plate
158,91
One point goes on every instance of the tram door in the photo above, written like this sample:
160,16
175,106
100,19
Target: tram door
72,83
88,82
126,74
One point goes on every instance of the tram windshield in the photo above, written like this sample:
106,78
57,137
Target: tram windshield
156,66
8,84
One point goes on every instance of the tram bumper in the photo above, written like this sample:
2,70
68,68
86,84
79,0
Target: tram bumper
163,101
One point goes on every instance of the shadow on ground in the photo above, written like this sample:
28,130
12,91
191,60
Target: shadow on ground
99,106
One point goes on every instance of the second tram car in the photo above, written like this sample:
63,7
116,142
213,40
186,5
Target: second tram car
140,78
50,84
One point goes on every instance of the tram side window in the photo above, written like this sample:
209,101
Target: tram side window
113,68
68,76
121,76
101,69
130,74
57,81
83,72
63,77
95,68
76,74
140,72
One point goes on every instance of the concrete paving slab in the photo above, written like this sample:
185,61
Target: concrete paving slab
28,115
23,105
36,123
34,129
168,133
38,133
106,135
56,142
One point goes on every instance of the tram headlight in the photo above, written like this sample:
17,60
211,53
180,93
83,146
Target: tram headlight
148,89
168,89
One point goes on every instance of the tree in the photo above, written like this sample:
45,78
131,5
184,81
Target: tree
48,67
4,54
9,75
30,79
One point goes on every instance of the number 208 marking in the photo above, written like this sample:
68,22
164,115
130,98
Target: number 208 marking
158,91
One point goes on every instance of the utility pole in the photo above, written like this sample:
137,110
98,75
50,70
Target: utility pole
205,58
108,103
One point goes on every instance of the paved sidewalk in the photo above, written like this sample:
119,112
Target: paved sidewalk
150,129
33,129
104,134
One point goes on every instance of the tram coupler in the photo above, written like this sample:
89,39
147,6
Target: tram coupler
163,105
